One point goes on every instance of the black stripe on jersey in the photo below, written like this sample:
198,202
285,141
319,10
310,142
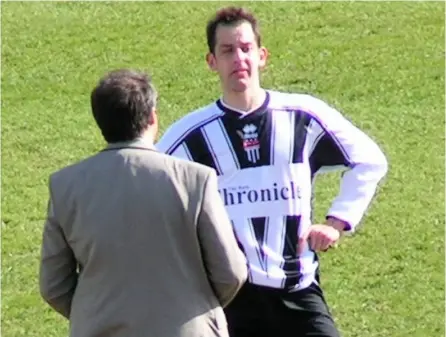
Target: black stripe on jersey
327,153
189,130
238,132
260,255
200,151
301,122
291,266
259,227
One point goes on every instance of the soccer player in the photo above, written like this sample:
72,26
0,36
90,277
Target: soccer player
266,147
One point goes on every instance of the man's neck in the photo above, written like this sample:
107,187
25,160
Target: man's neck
244,101
148,137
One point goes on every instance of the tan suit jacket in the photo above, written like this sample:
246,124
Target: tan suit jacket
138,244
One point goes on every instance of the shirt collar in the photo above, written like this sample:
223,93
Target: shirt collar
136,143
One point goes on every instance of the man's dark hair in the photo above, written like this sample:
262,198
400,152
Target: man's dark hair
122,104
230,16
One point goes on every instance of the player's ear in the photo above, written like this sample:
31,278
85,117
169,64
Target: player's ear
210,60
263,53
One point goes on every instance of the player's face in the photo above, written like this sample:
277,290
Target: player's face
237,57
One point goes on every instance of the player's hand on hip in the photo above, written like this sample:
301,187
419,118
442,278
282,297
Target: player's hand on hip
319,238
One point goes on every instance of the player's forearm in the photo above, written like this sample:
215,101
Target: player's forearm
358,188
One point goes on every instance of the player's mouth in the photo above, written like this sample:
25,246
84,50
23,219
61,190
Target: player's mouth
240,72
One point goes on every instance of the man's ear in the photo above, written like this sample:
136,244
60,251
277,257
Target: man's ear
153,118
263,52
210,60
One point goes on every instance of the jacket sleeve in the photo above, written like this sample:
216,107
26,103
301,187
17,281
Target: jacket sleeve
58,267
340,144
224,261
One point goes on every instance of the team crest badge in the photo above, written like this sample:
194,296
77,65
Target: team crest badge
251,144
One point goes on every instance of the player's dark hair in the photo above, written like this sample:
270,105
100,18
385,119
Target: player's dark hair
122,104
230,16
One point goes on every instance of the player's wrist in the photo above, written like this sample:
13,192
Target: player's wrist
340,225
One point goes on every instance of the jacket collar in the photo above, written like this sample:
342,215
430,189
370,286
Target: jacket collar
138,143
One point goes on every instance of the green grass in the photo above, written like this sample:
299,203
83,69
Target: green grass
382,64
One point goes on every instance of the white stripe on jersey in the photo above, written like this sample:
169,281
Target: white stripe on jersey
212,145
218,143
282,137
275,242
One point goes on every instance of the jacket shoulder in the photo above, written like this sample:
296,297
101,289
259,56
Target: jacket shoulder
68,175
187,166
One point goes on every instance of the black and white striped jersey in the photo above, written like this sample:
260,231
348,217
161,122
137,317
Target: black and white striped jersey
266,161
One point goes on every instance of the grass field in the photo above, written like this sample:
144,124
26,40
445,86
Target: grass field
382,64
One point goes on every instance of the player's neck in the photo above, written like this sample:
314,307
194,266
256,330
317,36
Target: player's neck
246,101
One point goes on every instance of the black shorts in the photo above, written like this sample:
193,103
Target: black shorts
266,312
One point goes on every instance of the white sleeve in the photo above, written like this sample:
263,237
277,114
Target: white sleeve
173,140
343,145
173,145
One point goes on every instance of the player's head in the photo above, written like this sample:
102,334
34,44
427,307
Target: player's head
235,49
124,106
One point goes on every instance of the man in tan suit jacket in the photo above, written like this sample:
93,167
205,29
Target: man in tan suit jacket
137,243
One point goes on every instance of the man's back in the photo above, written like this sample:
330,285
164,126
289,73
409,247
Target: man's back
130,216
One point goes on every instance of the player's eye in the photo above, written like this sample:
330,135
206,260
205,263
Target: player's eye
246,49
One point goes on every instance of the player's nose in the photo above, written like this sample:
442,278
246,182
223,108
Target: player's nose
239,55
